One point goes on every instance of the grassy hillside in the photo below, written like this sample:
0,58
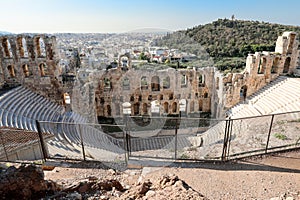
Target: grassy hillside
230,41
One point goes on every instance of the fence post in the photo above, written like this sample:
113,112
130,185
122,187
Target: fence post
270,130
41,140
229,138
81,141
176,131
225,144
127,139
124,145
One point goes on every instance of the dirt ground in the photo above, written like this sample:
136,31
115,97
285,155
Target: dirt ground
274,176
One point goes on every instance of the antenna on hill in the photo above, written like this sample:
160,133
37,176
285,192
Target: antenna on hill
232,17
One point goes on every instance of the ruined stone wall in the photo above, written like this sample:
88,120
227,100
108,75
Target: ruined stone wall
83,96
31,61
201,89
261,69
141,87
107,90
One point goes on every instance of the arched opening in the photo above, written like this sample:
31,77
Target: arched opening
108,110
287,63
166,82
275,65
42,69
126,84
183,80
7,48
117,108
174,107
144,83
107,84
102,101
192,106
124,61
25,70
155,86
243,93
131,98
200,105
291,43
262,65
145,108
205,95
201,80
11,71
40,47
22,47
166,107
136,108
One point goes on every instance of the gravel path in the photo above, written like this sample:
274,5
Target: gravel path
258,178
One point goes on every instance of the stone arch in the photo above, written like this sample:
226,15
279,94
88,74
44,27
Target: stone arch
243,93
166,107
192,106
107,83
131,98
145,108
11,71
155,85
42,69
201,80
22,46
200,105
7,48
125,61
117,109
126,83
40,47
275,65
144,83
174,107
136,108
291,43
286,66
108,110
262,65
25,70
166,82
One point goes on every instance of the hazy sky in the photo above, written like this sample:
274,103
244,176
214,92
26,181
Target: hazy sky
125,15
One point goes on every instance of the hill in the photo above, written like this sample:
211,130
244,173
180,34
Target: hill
4,33
228,42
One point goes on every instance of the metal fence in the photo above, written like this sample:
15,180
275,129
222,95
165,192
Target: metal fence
174,138
84,141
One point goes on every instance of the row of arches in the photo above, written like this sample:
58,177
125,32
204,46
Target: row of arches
156,82
262,67
25,69
144,108
22,47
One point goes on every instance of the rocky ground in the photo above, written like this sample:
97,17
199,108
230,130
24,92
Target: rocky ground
272,177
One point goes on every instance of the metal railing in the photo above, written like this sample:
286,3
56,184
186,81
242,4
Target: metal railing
172,138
